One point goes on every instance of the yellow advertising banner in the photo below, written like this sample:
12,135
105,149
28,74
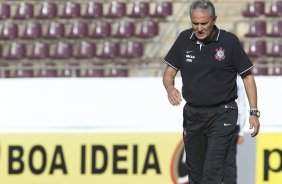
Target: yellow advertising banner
269,158
102,158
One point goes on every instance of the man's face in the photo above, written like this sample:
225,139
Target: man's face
202,24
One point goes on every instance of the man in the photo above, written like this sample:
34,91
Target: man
230,165
209,60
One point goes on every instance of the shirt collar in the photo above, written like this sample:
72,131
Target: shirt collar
215,37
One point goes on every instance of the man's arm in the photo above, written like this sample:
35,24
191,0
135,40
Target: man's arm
251,90
174,96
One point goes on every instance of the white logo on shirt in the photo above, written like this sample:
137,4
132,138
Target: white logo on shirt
189,57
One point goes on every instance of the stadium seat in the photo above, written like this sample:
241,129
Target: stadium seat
94,70
120,69
100,29
276,50
125,29
1,51
78,30
39,50
23,71
257,48
117,9
8,31
86,50
140,9
5,10
32,30
93,10
71,10
55,30
276,30
48,70
275,9
257,28
277,69
16,51
254,9
63,50
133,49
149,29
110,49
260,68
24,11
48,10
163,9
72,70
4,70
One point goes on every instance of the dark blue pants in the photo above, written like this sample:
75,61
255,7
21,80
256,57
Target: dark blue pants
207,136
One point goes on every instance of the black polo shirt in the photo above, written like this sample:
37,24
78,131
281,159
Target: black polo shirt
208,70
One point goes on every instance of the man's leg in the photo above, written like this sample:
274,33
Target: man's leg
220,131
230,166
194,142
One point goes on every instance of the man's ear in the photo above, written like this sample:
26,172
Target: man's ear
214,20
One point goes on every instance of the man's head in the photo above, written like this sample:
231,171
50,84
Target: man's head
203,18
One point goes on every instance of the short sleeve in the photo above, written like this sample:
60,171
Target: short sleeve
173,56
240,59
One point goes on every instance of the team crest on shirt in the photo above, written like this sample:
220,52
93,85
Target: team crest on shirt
220,54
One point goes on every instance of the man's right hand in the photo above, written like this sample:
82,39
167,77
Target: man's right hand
174,96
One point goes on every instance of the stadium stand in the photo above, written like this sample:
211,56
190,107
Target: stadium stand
275,9
87,38
254,9
48,10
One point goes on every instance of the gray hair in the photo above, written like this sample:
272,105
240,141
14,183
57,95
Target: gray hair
202,5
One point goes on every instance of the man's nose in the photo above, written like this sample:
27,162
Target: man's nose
200,28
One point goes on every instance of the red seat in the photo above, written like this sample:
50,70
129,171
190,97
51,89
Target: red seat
72,70
48,10
5,10
32,30
93,10
16,51
140,9
257,48
24,11
24,71
275,9
63,50
117,9
110,49
276,30
277,69
260,68
254,9
55,30
133,49
39,50
8,31
48,70
257,29
163,9
78,30
100,29
94,70
86,50
276,50
125,29
71,10
4,70
149,29
119,69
